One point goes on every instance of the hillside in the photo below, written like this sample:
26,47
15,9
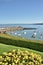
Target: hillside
8,42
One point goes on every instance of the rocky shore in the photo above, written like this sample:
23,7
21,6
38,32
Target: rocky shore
6,29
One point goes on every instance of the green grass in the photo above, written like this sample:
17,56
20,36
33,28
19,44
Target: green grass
21,42
6,48
8,42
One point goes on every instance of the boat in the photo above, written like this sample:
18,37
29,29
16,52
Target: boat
24,32
15,33
34,35
41,36
19,34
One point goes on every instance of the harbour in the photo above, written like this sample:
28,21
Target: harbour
23,30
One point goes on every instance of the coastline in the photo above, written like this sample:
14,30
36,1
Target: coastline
6,29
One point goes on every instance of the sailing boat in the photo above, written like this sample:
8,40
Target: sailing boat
34,34
41,36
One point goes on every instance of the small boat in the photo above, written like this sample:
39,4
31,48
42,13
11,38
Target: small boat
15,33
41,36
19,34
24,32
34,35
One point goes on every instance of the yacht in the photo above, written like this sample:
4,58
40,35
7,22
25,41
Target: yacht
24,32
19,34
15,33
41,36
34,34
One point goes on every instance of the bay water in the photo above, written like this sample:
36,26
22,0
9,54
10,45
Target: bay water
26,33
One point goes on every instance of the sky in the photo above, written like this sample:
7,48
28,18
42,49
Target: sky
21,11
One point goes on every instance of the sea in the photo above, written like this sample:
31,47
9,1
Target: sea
28,34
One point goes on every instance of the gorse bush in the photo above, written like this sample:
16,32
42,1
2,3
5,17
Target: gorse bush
18,57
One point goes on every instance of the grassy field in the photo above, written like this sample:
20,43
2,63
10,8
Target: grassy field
6,48
8,42
21,42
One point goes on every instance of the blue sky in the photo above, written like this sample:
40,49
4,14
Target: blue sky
21,11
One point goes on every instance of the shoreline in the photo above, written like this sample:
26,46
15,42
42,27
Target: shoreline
6,29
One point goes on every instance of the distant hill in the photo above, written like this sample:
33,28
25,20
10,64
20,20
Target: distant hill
38,24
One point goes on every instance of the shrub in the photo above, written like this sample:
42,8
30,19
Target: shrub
31,44
18,57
